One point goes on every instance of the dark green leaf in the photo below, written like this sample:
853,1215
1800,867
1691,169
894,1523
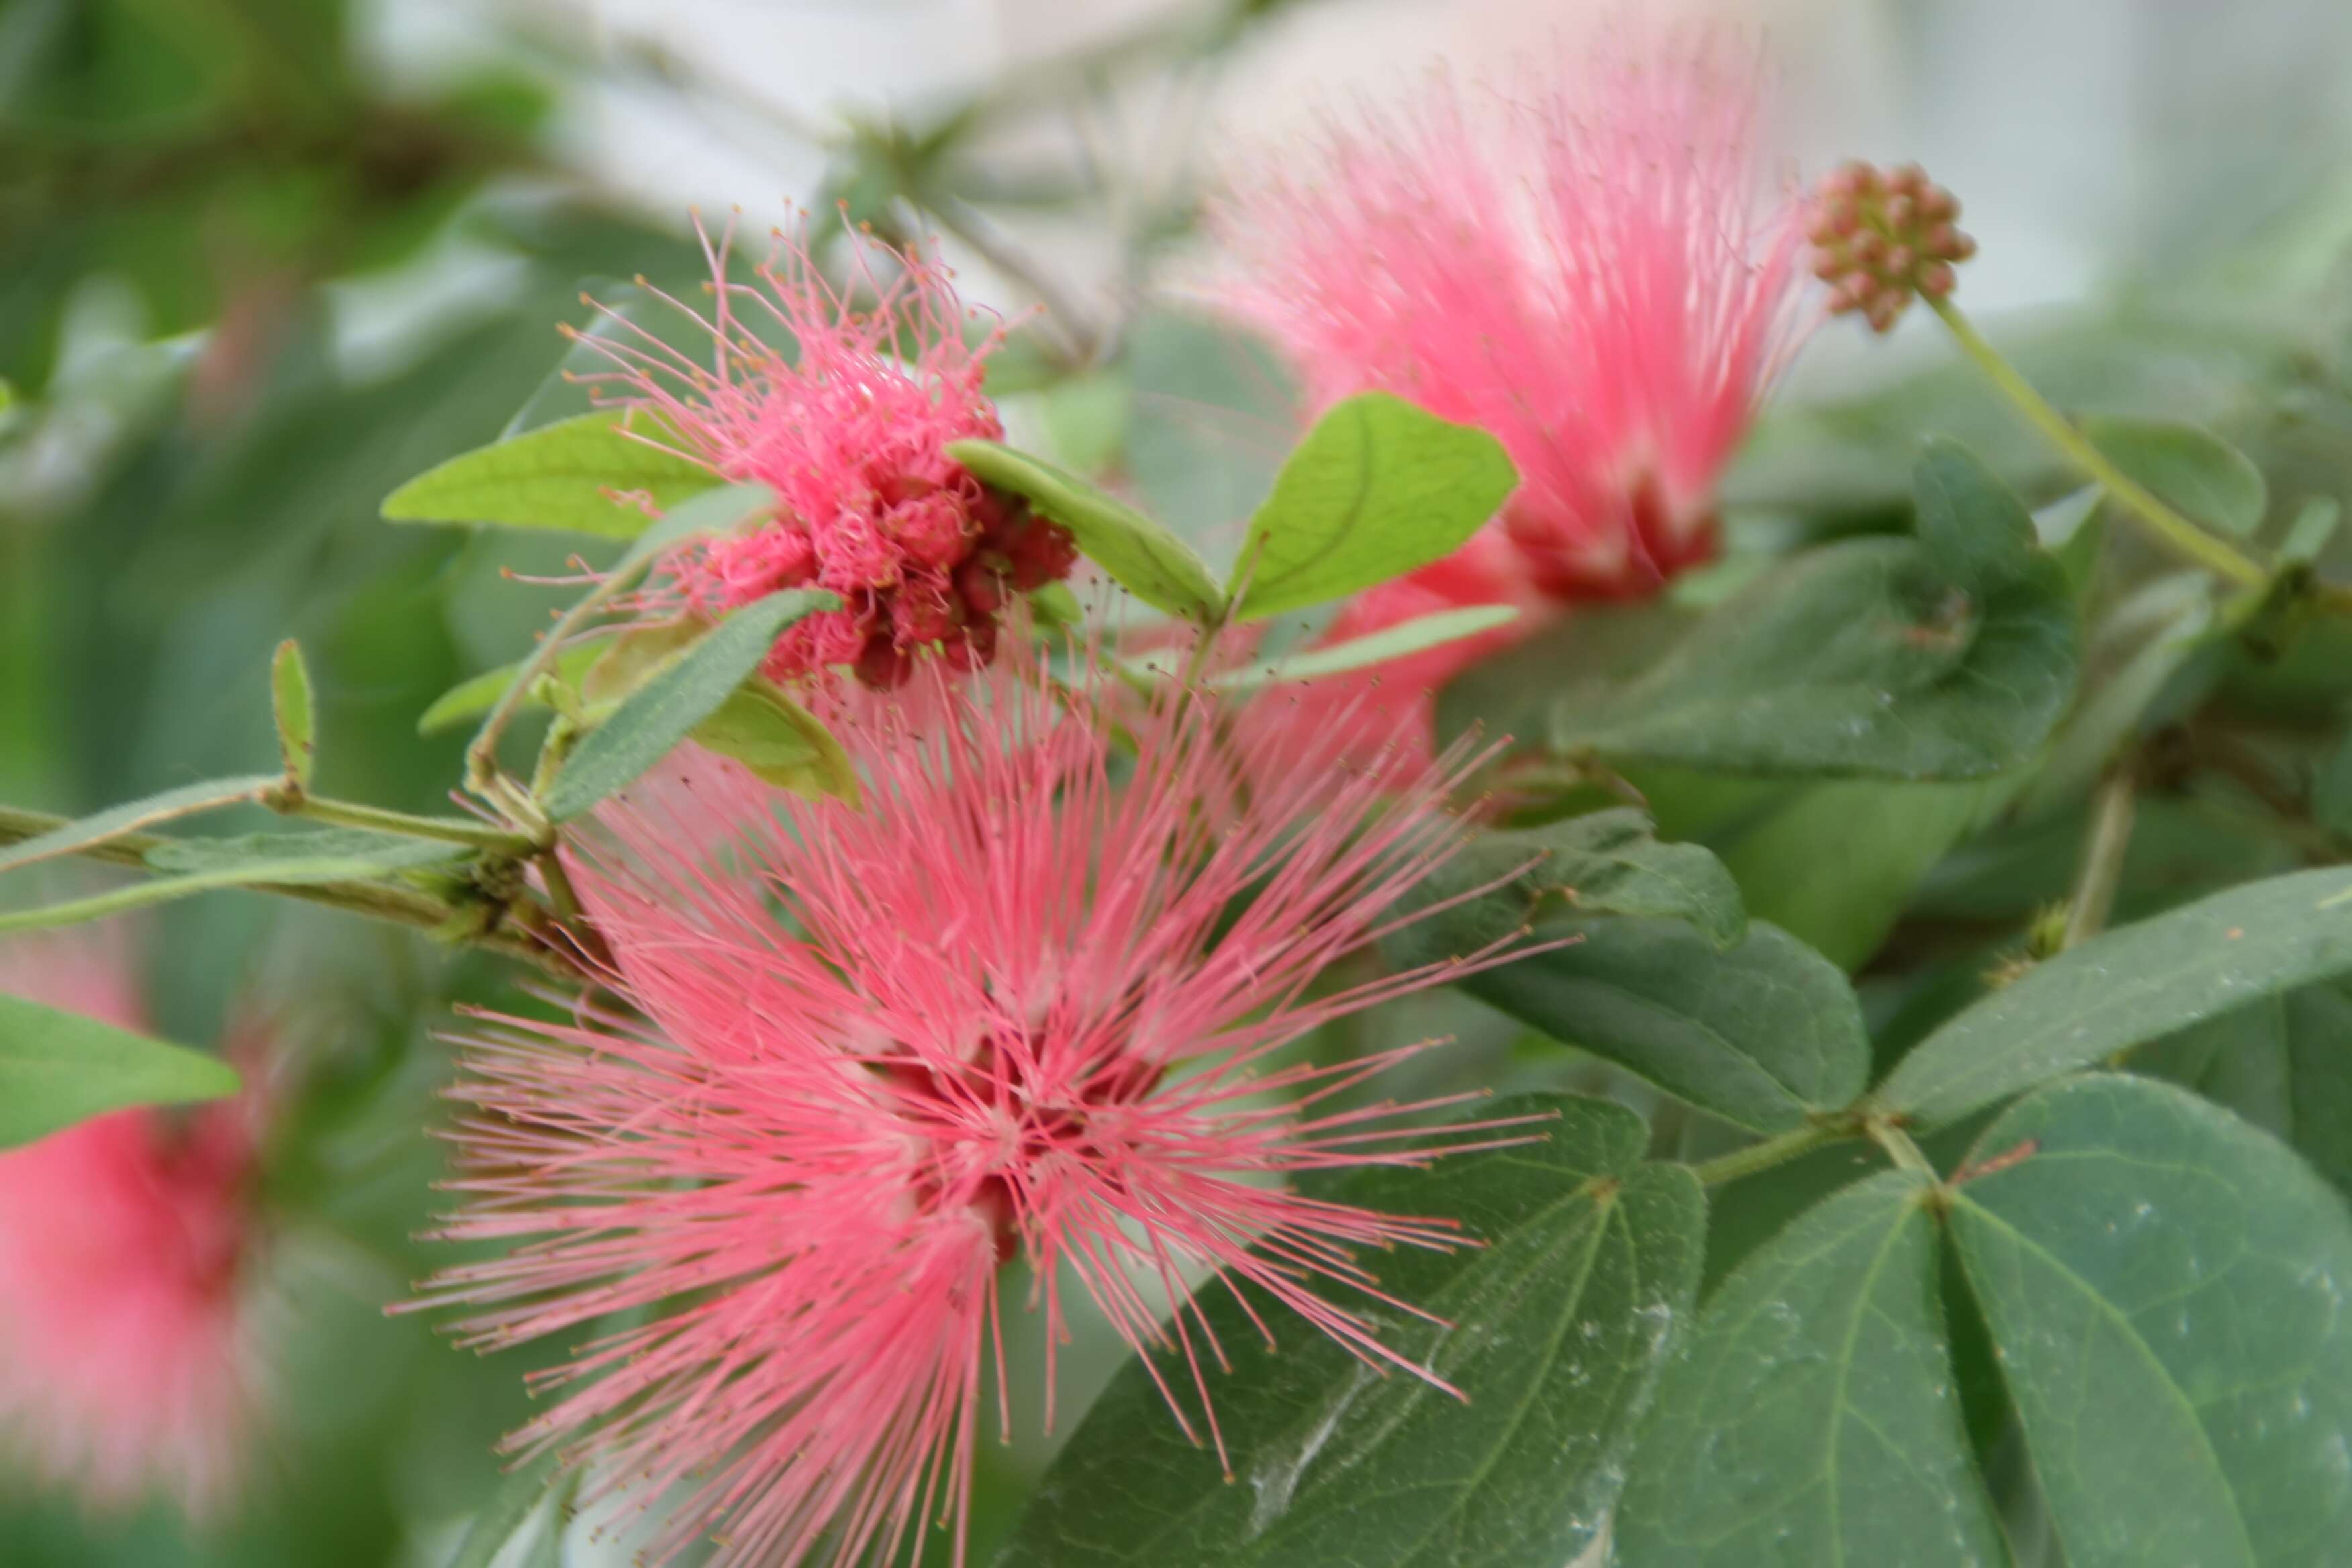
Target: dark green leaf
1946,656
1558,1323
509,1509
2131,984
1376,488
2196,470
471,698
1578,659
2166,1291
1810,1418
776,738
1415,635
57,1068
662,711
2142,645
259,853
2284,1063
562,476
1763,1035
1144,558
1603,863
289,703
115,821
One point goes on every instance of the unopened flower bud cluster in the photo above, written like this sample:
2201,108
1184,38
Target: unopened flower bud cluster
1882,235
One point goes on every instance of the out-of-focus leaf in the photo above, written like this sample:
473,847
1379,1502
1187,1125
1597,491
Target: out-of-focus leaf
2162,625
1213,416
478,694
291,705
1603,863
1143,557
1377,488
292,870
2165,1287
1810,1417
662,711
2190,467
1415,635
259,856
562,476
1949,656
2131,984
1555,1328
509,1511
1088,417
88,832
59,1067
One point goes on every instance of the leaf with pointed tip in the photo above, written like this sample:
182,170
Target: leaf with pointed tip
88,832
511,1508
562,476
2166,1291
1418,634
2129,985
59,1067
762,728
1143,557
1810,1418
478,694
1378,487
662,711
291,705
1557,1323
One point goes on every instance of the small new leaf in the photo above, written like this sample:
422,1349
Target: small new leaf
96,828
290,703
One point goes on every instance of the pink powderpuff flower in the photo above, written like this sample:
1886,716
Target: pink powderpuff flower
1029,1000
851,435
1589,274
125,1357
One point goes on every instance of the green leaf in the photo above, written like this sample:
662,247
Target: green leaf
711,511
561,476
2196,470
1375,489
1143,557
779,739
662,711
263,855
2285,1064
1946,656
2143,643
2313,525
1416,635
1558,1323
292,870
1810,1417
1603,863
57,1068
480,693
509,1511
2131,984
87,832
1764,1035
291,705
2165,1286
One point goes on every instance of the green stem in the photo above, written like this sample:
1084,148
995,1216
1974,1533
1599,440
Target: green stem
2214,554
447,829
394,902
2094,898
1899,1148
1774,1150
482,753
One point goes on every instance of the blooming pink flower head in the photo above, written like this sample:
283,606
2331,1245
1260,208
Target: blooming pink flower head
1028,1000
1588,273
811,391
124,1356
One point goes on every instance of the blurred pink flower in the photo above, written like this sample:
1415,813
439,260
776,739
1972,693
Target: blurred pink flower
125,1354
846,417
1013,1006
1589,274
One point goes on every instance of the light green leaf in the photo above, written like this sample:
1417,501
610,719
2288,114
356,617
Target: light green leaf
1555,1328
509,1511
721,511
1375,489
561,476
292,870
1143,557
1810,1417
263,855
291,705
1947,657
662,711
57,1068
1416,635
2166,1291
87,832
478,694
2194,468
2131,984
2314,525
762,728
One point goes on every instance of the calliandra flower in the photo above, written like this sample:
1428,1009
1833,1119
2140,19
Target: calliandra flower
1030,1000
1588,273
843,401
125,1357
